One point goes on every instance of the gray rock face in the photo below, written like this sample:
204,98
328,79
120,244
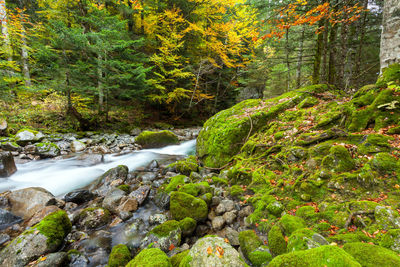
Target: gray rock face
7,219
47,150
26,202
229,217
7,164
201,257
157,219
162,200
79,196
77,146
112,178
140,194
54,259
113,199
388,218
10,146
24,137
164,242
217,223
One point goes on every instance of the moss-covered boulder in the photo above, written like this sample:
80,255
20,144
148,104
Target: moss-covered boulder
148,139
370,255
329,256
164,236
186,166
183,205
175,183
290,223
253,249
152,257
120,256
177,258
276,241
25,136
338,160
187,225
110,179
304,239
45,237
47,150
391,240
92,218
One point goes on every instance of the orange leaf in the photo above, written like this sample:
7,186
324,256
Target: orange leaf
209,251
171,247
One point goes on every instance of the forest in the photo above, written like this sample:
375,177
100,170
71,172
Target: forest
117,64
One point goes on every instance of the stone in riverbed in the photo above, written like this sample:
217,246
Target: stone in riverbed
26,136
110,179
7,219
26,202
47,150
10,146
79,196
7,164
148,139
77,146
92,218
183,205
45,237
140,194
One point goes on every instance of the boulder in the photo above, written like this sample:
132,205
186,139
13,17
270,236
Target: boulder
45,237
183,205
110,179
41,214
150,257
26,202
140,194
7,219
212,251
304,239
47,150
113,198
120,256
25,136
53,259
10,146
371,255
164,236
79,196
7,164
3,126
92,218
77,146
148,139
90,159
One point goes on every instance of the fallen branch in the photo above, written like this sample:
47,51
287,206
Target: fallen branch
356,213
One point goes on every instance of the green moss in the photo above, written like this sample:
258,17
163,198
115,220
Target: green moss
120,256
124,187
187,225
275,208
391,240
329,256
177,258
349,238
338,160
165,229
301,240
152,257
175,183
260,256
103,217
307,213
55,227
186,166
183,205
370,255
190,189
276,241
389,74
219,181
148,139
207,197
308,102
291,223
236,191
375,143
249,241
384,163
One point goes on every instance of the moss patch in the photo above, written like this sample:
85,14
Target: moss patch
148,139
120,256
183,205
371,256
152,257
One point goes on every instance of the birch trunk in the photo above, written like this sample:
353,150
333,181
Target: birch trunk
25,60
390,40
4,29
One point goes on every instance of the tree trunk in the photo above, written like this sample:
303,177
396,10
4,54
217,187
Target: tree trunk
318,54
300,57
25,59
4,30
332,55
325,54
142,17
100,87
288,60
390,40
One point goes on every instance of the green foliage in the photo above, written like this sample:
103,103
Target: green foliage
120,256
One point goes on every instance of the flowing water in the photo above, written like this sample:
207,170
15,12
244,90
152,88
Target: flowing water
62,176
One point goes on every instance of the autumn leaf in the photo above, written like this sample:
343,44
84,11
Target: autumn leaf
209,251
171,247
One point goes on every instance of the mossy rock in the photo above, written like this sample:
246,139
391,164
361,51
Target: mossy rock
120,256
389,74
187,225
275,208
338,160
55,227
47,150
304,239
249,241
151,257
307,213
124,187
165,228
185,166
308,102
177,258
385,163
175,183
371,255
236,191
276,241
375,143
183,205
148,139
92,218
291,223
329,256
260,256
391,240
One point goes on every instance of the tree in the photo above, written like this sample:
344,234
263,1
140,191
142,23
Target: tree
390,42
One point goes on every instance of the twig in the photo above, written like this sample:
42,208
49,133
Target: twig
356,213
251,128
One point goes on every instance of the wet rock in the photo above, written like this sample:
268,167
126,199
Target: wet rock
4,238
41,214
218,223
77,259
7,219
148,139
79,196
153,165
90,159
113,199
53,259
140,194
63,145
229,217
112,178
127,206
164,236
7,164
101,149
45,237
222,254
10,146
26,202
158,219
148,177
47,150
162,200
77,146
24,137
92,218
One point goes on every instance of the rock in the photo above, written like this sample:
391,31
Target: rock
113,199
291,223
136,131
276,241
63,145
218,223
41,214
7,164
46,237
120,256
304,239
148,139
222,254
7,219
229,217
183,205
4,238
112,178
371,255
148,177
10,146
26,202
53,260
3,126
246,211
128,204
228,204
233,236
162,200
90,159
150,257
47,150
140,194
387,218
157,219
316,257
153,165
92,218
77,146
220,209
101,149
26,136
164,236
79,196
187,225
77,259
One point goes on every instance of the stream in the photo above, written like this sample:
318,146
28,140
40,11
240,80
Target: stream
62,176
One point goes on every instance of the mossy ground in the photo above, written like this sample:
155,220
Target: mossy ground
120,256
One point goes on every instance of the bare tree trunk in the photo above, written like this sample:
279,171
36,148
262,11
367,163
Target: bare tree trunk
361,32
318,54
287,60
100,87
390,41
142,17
332,55
4,29
300,57
324,70
25,59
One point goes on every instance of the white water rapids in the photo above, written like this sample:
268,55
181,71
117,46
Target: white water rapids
62,176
